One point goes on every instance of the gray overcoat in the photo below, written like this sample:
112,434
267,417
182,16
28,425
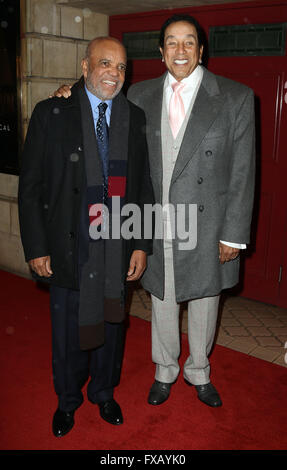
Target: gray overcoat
215,169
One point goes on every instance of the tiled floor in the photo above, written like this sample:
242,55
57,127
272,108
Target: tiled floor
244,325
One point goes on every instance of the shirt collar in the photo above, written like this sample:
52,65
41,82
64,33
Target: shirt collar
190,81
95,101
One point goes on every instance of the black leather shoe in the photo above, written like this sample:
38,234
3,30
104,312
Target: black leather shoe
63,422
208,394
159,392
110,411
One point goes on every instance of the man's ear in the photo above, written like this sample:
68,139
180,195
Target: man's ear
200,54
85,67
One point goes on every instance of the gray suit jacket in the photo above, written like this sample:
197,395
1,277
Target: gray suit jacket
215,169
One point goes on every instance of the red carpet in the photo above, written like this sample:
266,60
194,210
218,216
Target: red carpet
253,391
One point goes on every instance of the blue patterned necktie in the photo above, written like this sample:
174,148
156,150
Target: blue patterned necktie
103,146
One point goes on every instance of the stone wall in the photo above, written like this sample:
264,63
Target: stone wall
54,38
53,46
11,252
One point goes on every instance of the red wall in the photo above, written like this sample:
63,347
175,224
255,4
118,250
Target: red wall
266,256
236,13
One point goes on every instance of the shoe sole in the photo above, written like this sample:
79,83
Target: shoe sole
111,422
208,404
156,404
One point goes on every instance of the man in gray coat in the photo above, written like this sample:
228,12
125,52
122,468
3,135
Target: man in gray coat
202,155
201,151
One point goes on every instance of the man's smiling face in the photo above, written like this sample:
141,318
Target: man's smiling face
104,69
181,51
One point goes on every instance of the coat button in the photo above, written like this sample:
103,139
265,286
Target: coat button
74,157
71,235
80,149
201,208
76,190
208,153
200,180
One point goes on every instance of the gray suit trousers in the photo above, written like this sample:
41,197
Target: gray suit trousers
202,318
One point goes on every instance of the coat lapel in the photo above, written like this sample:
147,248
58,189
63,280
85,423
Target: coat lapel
205,110
93,163
119,128
153,108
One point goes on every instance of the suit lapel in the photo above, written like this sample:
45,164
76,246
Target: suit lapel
153,108
205,110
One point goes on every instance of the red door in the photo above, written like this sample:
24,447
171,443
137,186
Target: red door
264,268
264,264
282,152
283,283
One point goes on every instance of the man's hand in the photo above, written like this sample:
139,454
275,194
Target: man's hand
41,266
137,265
64,90
227,253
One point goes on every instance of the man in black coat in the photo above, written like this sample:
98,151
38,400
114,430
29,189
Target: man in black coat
85,158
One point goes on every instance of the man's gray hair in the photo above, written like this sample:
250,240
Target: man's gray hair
96,40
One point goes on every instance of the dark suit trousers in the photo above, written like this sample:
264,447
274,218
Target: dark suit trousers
72,367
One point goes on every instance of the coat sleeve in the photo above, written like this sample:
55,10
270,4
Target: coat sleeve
240,195
31,188
146,195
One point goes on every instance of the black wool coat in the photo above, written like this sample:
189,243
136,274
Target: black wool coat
52,182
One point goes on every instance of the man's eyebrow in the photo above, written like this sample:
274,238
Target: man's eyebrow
110,60
170,36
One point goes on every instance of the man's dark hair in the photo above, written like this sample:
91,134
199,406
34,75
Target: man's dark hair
187,19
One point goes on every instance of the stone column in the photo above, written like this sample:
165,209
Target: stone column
54,39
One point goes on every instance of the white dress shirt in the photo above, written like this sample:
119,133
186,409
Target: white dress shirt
188,94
